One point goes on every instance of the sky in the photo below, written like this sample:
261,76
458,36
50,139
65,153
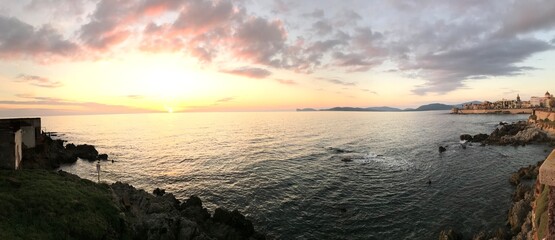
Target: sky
132,56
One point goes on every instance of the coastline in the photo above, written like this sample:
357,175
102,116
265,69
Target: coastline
212,207
60,205
527,217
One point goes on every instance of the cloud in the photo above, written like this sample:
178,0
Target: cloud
134,96
338,82
226,99
38,81
446,71
528,16
250,72
259,40
21,40
322,27
201,16
317,13
370,91
286,81
56,106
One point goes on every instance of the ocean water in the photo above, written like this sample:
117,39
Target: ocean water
284,170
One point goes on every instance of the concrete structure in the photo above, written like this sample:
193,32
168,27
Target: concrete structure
11,149
547,177
16,135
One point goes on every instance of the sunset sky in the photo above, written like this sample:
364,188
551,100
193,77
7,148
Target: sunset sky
125,56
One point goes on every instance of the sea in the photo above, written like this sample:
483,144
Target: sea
314,175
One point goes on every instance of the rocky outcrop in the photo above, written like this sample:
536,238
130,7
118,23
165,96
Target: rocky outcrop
442,149
518,133
52,153
449,234
164,217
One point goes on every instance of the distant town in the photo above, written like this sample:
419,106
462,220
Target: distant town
514,106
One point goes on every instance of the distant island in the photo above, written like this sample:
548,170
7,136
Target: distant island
427,107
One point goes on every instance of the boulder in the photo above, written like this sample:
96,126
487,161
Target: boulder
87,152
466,137
449,234
442,149
159,192
521,191
517,215
480,137
103,156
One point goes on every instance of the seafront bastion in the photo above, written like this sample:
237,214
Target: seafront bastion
504,106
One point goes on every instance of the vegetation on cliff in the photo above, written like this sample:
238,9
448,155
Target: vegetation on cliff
39,204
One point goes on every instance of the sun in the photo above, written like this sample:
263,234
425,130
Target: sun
170,110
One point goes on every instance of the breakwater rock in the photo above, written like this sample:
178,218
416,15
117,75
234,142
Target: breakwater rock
164,217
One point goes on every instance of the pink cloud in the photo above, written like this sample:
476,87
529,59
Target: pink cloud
249,72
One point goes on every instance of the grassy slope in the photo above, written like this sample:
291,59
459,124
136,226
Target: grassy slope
50,205
541,212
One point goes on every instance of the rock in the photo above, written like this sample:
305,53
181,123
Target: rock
87,152
466,137
442,149
449,234
517,215
514,179
159,192
346,159
234,219
520,192
480,137
192,208
103,156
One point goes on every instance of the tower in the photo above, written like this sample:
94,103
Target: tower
518,98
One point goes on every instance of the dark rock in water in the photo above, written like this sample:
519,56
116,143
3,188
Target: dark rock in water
346,159
442,149
480,137
103,156
449,234
466,137
87,152
463,146
159,192
503,123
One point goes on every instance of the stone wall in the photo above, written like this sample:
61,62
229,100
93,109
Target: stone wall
495,111
541,115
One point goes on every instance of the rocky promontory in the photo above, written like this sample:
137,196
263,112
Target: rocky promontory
518,133
52,153
60,205
162,216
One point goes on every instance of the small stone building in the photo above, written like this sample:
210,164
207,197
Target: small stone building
16,135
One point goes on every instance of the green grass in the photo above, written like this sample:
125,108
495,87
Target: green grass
50,205
541,212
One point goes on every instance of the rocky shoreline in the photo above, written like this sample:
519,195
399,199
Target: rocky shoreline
515,134
144,215
526,217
